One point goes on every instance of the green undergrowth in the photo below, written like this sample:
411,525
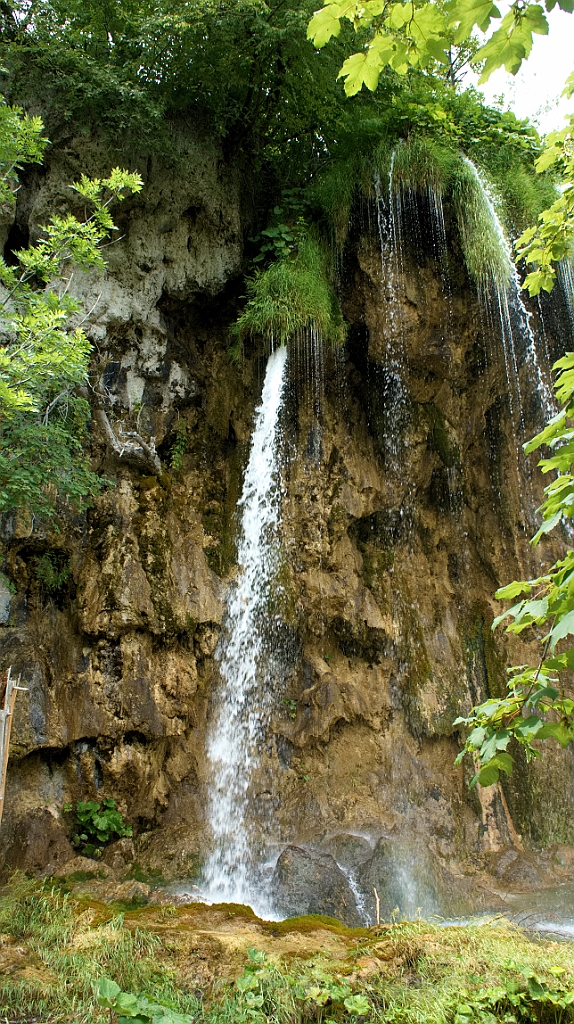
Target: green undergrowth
422,164
291,296
55,951
485,252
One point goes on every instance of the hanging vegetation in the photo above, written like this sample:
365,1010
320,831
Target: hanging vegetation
485,250
292,295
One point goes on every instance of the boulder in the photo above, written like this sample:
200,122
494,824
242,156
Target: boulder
404,878
310,882
522,870
348,850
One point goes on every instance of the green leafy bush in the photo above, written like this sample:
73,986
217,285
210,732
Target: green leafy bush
97,825
291,296
136,1009
53,571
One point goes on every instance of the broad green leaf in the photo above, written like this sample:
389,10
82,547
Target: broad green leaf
512,590
562,628
107,992
487,776
325,24
557,731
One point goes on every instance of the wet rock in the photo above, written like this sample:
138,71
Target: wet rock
522,870
310,882
349,851
563,859
36,842
118,856
403,875
5,600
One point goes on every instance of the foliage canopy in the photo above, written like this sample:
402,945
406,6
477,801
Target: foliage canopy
44,356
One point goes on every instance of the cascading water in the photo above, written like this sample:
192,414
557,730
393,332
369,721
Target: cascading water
389,223
248,665
503,305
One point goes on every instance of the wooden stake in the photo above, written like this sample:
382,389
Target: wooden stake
378,906
6,716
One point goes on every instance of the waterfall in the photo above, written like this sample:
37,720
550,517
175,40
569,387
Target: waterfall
389,224
505,308
247,663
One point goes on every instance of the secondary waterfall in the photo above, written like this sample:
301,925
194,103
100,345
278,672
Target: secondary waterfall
504,307
246,661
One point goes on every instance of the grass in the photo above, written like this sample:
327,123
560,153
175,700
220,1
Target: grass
291,296
420,164
54,949
65,956
485,251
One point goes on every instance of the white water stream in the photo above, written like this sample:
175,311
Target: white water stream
245,655
506,306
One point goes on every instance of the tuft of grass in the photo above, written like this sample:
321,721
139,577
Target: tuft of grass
485,251
400,973
291,296
421,164
525,195
66,957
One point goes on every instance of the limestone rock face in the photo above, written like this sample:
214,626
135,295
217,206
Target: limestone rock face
403,509
309,882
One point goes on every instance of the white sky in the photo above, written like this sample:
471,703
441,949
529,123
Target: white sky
534,92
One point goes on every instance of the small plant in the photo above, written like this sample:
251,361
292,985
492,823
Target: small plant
357,1005
179,446
98,824
53,571
291,296
279,240
514,1001
140,1009
291,706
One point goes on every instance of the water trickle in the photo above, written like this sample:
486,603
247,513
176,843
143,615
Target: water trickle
389,223
514,322
250,667
566,279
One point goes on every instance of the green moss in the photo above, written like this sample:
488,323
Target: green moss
307,923
438,438
148,877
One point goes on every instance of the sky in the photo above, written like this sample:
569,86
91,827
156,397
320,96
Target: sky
534,92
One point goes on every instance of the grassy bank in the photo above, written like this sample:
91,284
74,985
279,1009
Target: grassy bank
221,965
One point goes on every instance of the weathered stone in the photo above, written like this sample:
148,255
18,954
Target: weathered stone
349,851
399,520
309,882
522,870
87,867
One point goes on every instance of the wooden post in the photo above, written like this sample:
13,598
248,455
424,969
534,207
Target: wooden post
378,906
6,715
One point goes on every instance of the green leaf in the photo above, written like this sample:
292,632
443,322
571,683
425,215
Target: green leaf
512,590
558,731
487,776
562,628
126,1004
357,1005
107,992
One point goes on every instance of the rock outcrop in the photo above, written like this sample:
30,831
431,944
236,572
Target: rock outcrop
401,516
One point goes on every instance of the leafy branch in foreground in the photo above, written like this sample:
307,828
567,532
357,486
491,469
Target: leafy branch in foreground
539,703
551,239
408,35
43,358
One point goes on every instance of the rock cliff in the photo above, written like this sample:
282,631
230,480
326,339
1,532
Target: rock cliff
404,507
